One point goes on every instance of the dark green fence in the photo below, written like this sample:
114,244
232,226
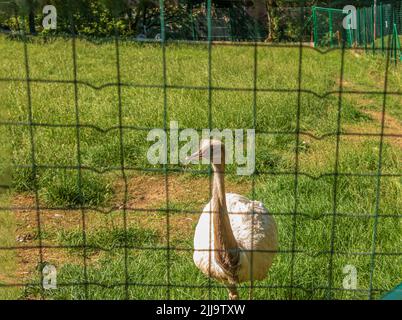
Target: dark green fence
378,28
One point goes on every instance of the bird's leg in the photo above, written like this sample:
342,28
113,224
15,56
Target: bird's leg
233,294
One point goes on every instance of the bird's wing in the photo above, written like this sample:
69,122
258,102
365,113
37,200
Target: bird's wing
237,204
254,229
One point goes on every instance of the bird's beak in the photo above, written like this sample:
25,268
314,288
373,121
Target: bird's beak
194,157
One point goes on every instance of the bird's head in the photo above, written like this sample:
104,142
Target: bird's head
212,150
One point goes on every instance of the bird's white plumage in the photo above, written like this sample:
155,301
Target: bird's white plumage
249,220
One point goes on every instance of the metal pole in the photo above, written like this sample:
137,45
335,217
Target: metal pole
162,20
365,28
358,27
330,28
190,11
315,27
375,19
395,31
382,26
209,20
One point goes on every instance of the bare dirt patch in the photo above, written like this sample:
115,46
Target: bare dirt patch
146,204
391,127
153,191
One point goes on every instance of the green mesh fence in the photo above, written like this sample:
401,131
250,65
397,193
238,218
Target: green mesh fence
378,28
230,21
288,286
328,30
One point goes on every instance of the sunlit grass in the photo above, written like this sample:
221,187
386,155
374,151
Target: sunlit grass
305,209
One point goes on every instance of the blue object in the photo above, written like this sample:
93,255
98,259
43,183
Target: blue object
394,294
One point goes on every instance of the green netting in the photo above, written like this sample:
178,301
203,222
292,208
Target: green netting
228,23
328,29
378,28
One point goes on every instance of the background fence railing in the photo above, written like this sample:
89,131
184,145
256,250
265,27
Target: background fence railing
378,28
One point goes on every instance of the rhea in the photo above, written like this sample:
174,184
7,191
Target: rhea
235,239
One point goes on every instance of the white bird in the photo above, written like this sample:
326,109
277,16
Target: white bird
238,244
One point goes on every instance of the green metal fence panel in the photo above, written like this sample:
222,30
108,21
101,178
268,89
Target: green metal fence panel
328,27
374,26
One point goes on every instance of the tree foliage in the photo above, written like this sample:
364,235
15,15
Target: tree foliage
135,18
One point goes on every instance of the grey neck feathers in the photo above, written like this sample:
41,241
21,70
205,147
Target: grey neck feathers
226,247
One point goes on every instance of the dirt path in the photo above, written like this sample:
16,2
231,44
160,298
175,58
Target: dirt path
146,202
391,127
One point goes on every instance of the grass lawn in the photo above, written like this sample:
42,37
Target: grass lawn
7,223
7,257
304,211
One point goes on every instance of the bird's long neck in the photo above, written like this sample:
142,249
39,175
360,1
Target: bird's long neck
226,247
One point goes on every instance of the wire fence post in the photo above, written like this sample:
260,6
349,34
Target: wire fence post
382,26
315,27
78,139
190,10
33,151
379,180
358,27
365,28
330,28
165,126
373,22
209,40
